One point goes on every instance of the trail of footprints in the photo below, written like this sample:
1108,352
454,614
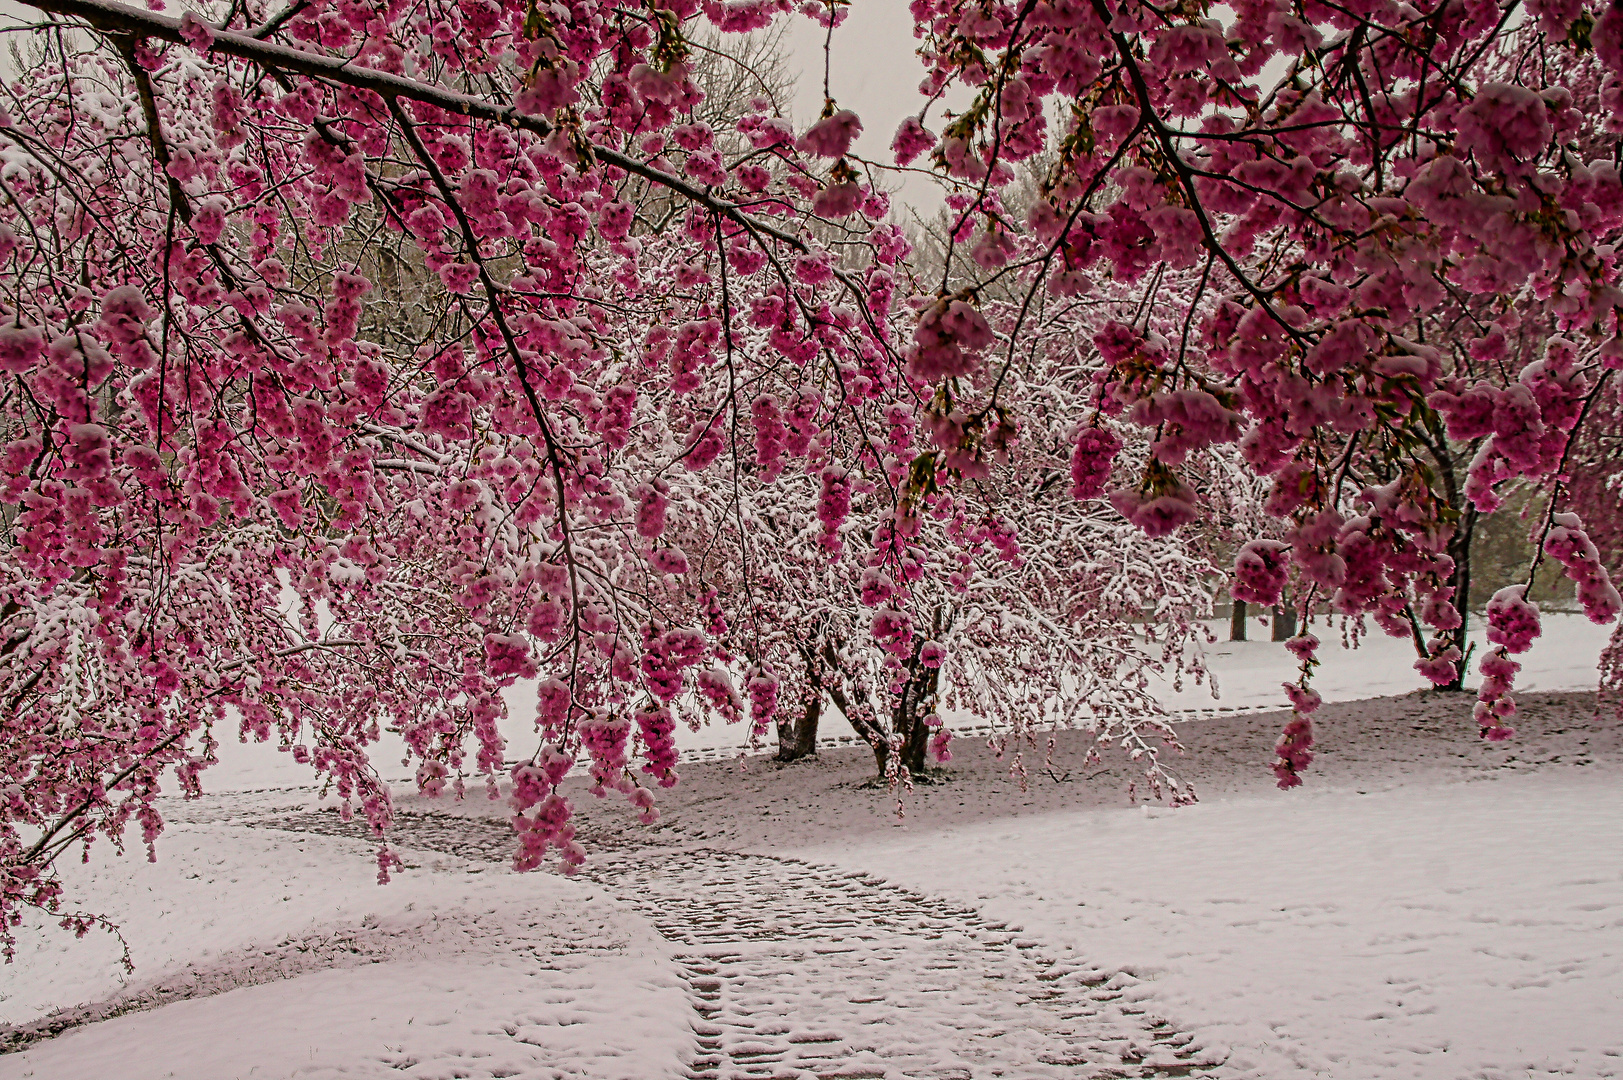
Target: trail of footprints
801,972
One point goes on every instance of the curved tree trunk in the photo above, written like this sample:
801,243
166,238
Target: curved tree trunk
907,715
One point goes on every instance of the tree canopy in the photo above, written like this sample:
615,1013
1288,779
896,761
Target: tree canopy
365,358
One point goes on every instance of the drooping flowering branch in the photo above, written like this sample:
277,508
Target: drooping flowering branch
1367,233
362,361
345,391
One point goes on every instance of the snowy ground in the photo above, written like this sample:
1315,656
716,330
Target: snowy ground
1429,907
1249,672
1440,931
270,954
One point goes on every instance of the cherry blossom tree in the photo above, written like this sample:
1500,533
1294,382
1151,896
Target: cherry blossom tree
1343,179
356,352
1012,601
246,490
1037,613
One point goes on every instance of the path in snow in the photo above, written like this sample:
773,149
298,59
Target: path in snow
799,970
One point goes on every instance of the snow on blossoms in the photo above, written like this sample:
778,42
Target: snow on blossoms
1293,752
1384,326
367,360
948,340
1568,544
355,398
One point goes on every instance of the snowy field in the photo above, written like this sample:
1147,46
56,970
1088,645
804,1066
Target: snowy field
1249,672
1428,906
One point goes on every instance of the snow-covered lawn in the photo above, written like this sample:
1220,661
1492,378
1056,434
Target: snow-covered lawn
1249,672
1429,906
1438,931
281,956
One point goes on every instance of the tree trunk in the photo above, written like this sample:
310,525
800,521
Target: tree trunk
907,718
868,731
916,702
798,738
916,734
1459,549
1237,621
1284,622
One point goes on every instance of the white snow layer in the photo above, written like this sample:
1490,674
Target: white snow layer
1429,906
453,969
1461,930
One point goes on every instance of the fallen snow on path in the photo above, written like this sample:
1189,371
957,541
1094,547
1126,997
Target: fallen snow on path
1451,930
807,972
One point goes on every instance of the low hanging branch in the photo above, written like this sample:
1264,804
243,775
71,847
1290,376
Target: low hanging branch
361,363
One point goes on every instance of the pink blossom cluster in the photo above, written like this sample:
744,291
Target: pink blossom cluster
1188,420
1303,699
652,501
668,560
948,340
832,136
912,139
1513,619
604,737
763,687
666,654
717,687
1440,666
1260,572
893,630
1159,510
1568,543
1092,456
658,732
771,436
1527,423
1495,705
1293,752
1305,647
834,506
541,817
1001,535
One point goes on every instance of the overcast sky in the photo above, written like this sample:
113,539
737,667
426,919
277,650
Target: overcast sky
874,72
